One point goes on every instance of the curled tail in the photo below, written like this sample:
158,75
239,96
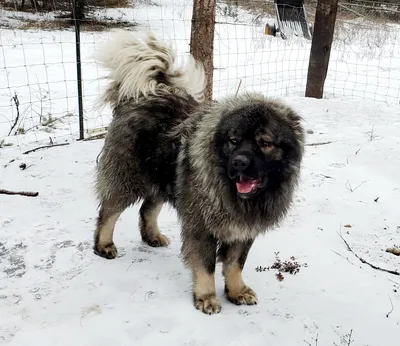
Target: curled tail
139,64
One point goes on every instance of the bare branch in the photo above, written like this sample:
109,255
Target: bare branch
393,272
325,176
349,342
316,144
350,188
337,253
44,147
21,193
316,341
371,134
16,102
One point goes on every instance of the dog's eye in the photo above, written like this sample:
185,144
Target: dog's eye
233,141
266,144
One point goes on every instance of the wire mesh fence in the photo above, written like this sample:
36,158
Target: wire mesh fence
38,63
365,61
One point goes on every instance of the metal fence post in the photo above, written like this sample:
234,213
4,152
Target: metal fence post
76,19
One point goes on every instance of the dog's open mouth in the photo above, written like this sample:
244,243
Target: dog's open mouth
246,185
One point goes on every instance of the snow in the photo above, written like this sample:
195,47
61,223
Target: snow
55,291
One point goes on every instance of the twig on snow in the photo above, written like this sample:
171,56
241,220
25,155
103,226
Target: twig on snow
393,272
237,90
348,341
129,266
16,102
350,188
21,193
337,253
371,134
325,176
391,310
316,341
44,147
316,144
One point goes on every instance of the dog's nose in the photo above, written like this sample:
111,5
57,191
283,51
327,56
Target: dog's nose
240,162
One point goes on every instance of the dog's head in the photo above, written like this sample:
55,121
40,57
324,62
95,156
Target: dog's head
260,146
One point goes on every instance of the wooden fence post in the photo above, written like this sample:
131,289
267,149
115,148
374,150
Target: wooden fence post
324,27
202,39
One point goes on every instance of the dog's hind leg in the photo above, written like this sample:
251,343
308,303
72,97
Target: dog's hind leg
148,224
103,238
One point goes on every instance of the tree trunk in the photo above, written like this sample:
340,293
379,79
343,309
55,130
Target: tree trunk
202,39
324,27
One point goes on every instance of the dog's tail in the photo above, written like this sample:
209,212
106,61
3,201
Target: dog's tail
141,65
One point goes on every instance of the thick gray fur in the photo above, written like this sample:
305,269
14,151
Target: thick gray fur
161,147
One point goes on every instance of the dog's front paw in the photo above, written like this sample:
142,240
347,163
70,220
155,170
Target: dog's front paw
246,296
209,304
108,251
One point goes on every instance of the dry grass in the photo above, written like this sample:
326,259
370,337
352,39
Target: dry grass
34,6
92,25
255,7
61,10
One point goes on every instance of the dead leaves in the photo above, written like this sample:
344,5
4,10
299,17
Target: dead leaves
394,250
290,266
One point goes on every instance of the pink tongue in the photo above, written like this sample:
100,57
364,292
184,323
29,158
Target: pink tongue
246,186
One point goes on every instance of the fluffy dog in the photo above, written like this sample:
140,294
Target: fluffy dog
229,168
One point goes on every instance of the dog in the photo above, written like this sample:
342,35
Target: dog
229,168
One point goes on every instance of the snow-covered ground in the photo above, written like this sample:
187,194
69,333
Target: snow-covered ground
55,291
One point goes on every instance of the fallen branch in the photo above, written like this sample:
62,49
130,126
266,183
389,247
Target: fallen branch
21,193
316,144
44,147
393,272
325,176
